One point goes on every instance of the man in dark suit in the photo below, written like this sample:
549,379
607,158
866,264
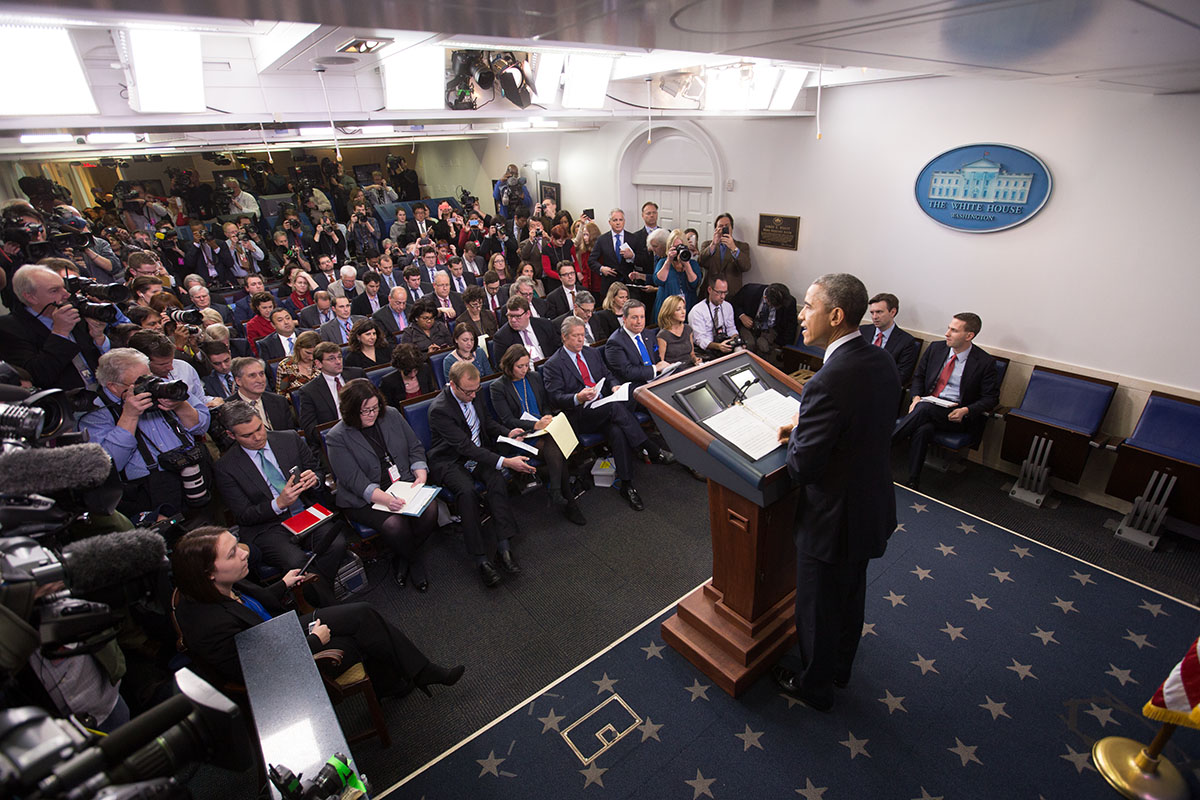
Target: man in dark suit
838,455
253,284
964,377
209,258
393,316
370,300
449,304
45,336
536,333
429,266
201,299
766,317
420,226
319,397
415,284
584,308
338,329
630,351
251,387
562,300
218,383
613,255
280,343
464,451
884,332
253,478
570,377
523,287
320,312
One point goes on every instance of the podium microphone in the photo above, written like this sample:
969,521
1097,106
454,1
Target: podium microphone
741,393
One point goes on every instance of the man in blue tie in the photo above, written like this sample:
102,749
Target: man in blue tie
630,352
612,257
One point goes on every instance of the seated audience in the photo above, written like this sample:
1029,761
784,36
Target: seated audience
394,315
250,380
463,452
631,352
884,332
369,301
955,370
585,306
338,329
675,339
415,284
725,257
447,303
218,383
459,280
413,376
301,296
369,450
369,346
767,318
260,325
218,603
253,284
536,333
319,313
255,482
319,396
217,332
282,342
611,309
348,285
673,275
562,299
713,323
465,337
298,368
483,319
427,333
519,392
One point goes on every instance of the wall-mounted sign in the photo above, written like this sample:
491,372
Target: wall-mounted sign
981,188
776,230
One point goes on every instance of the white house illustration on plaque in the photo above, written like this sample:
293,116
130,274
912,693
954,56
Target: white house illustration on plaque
980,180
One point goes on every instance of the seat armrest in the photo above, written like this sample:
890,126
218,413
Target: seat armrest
329,658
1000,412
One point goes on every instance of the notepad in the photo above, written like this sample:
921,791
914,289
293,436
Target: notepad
937,401
516,443
753,425
416,497
307,519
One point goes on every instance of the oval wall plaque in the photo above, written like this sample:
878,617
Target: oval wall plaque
983,188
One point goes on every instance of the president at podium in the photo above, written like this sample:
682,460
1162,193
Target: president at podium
838,455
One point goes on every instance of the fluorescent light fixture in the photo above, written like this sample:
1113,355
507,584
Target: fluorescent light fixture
364,46
63,86
725,90
168,72
415,79
539,165
317,132
642,65
547,74
112,138
46,138
587,81
377,130
517,125
538,122
790,84
762,86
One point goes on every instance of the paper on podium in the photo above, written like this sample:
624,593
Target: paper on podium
745,430
774,408
621,395
563,434
415,496
516,443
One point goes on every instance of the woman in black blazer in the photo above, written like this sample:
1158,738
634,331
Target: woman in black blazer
413,376
370,346
369,449
218,603
519,391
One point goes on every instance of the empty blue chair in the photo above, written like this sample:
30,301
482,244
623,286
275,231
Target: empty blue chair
435,363
377,374
417,415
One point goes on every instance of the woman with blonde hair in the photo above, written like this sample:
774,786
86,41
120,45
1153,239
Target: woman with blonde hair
675,340
675,275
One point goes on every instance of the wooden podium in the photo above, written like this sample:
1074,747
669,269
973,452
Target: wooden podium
736,626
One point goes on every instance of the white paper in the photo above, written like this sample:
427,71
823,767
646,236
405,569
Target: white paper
621,395
774,408
745,431
937,401
516,443
669,368
415,496
527,417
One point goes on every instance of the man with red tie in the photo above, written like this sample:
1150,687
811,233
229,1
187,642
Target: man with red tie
492,300
884,332
571,376
319,397
955,383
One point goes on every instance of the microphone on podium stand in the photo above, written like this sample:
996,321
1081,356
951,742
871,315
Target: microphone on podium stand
741,393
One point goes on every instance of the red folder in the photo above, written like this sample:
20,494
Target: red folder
307,519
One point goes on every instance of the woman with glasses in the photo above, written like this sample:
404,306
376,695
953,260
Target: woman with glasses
483,320
371,448
427,333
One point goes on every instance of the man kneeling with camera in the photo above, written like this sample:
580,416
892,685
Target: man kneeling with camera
149,426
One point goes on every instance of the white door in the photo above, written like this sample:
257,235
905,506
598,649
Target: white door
678,207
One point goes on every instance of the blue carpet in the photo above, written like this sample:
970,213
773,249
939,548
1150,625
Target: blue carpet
989,666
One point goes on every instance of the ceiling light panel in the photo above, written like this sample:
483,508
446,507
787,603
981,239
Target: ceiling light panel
167,72
586,81
415,79
24,49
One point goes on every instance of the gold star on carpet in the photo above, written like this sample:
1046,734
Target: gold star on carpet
899,527
994,708
1154,608
926,664
811,792
953,632
593,775
868,628
1067,606
653,650
980,603
1102,715
1024,670
918,507
857,746
700,785
965,528
893,703
750,739
1046,636
491,764
550,721
895,599
1137,638
927,796
1000,575
605,684
650,730
1120,674
698,690
965,751
1081,761
1022,552
947,549
922,574
1083,579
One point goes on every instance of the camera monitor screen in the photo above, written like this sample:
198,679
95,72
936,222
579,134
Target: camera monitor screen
740,377
700,401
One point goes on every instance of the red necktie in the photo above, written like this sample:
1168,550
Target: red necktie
944,377
879,339
587,376
337,381
492,299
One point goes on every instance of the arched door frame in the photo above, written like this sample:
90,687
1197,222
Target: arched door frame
634,145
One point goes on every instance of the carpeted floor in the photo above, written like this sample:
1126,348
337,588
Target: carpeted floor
584,587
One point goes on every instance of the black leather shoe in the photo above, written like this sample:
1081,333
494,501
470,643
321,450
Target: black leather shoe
914,484
401,574
632,497
435,675
508,563
572,512
663,457
491,577
788,682
420,581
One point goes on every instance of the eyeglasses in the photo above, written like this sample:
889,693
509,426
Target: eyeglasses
369,412
468,392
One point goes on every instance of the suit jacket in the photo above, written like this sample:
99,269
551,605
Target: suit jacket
214,386
337,289
747,301
508,405
426,290
242,312
247,493
361,305
240,348
392,385
839,454
604,324
413,233
354,463
317,403
452,443
384,317
271,347
903,347
562,379
193,262
25,342
310,317
604,254
980,382
558,302
456,302
548,337
276,407
321,282
626,362
332,331
717,266
600,332
225,311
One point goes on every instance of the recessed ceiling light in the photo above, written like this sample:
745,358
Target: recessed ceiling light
363,46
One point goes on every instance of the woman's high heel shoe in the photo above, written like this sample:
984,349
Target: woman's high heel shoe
434,674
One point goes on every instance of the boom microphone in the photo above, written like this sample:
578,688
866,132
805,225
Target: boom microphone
46,470
113,559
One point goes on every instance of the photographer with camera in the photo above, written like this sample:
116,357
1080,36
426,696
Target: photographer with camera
510,193
725,256
164,355
678,273
361,229
46,335
713,322
209,257
403,180
139,211
241,202
379,192
328,239
149,426
247,256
